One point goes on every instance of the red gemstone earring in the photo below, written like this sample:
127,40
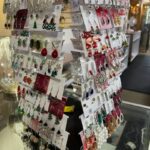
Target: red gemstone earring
54,54
44,50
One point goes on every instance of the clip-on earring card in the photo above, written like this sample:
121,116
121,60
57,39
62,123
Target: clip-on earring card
115,17
64,143
56,88
45,43
93,18
45,21
20,41
87,121
75,5
90,18
123,16
35,21
88,68
28,62
85,16
108,2
30,97
112,39
103,18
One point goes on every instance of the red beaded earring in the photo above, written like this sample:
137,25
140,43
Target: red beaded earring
44,50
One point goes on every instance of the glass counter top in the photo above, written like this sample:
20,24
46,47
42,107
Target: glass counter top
134,133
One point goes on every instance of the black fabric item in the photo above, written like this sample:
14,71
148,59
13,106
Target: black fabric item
74,125
137,76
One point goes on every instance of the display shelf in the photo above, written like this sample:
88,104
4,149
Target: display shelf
134,44
135,130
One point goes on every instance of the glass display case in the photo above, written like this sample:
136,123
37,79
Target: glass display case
134,133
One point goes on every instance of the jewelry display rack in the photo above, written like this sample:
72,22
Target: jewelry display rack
68,102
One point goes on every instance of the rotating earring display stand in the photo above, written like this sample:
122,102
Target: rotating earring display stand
73,105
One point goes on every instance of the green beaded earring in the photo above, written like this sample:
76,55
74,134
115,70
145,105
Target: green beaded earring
19,42
35,25
50,116
24,42
57,121
100,119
